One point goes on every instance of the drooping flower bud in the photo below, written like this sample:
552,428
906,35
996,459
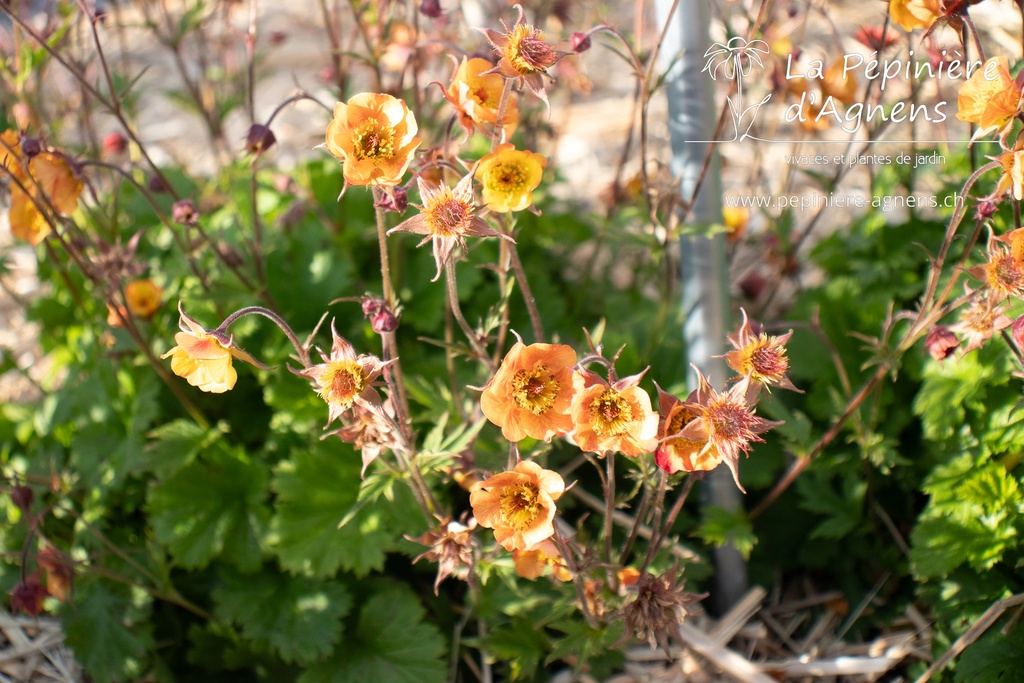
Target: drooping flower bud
28,596
396,200
941,342
259,139
1017,331
184,211
986,209
114,144
579,42
22,497
30,146
431,8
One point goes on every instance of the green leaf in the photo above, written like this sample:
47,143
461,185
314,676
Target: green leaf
211,509
843,511
521,644
110,645
391,643
721,527
299,617
174,445
315,491
993,657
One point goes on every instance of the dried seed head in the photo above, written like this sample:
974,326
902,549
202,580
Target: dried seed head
659,607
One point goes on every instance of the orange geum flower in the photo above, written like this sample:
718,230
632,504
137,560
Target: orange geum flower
143,297
374,134
726,423
839,84
475,92
1012,179
1003,273
613,417
760,356
203,357
525,55
911,14
674,453
447,217
519,505
990,98
509,176
979,321
344,379
532,563
531,393
47,180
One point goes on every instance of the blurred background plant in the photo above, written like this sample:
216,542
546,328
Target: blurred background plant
182,535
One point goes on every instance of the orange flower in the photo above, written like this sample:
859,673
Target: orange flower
676,454
447,217
143,297
1013,171
1003,273
344,379
525,56
374,134
475,92
531,393
911,14
203,357
726,423
10,150
509,177
735,219
760,356
838,84
531,564
990,98
519,505
616,417
46,180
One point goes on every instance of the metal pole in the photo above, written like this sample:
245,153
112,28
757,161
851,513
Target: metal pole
692,116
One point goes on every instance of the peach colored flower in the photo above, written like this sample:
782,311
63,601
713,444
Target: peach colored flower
979,321
525,56
760,356
1012,179
726,423
447,217
370,431
531,564
374,134
531,393
203,357
451,546
344,380
613,417
1003,274
475,92
509,177
519,505
990,98
839,84
10,150
674,453
143,297
911,14
46,181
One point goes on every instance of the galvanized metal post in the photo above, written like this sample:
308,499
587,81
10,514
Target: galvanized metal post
692,116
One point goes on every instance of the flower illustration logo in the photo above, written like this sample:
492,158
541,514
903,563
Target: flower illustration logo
735,60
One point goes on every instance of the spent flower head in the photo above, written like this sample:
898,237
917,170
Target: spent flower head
760,356
447,217
374,134
983,318
451,546
1002,273
531,393
519,505
661,604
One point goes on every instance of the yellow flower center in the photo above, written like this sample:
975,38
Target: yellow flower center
447,215
527,51
682,417
763,359
506,177
341,382
535,391
610,413
1004,276
373,140
520,505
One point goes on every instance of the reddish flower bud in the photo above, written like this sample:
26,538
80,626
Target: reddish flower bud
114,144
941,342
371,306
22,497
579,42
259,139
28,596
431,8
156,184
753,284
384,321
277,37
327,74
184,211
396,200
1017,331
986,209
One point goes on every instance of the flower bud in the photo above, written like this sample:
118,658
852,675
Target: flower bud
30,146
431,8
22,497
941,342
1017,331
114,144
259,139
157,184
383,321
28,597
396,200
579,42
986,209
184,211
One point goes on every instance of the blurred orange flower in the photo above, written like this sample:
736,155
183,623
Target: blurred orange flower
447,217
519,505
911,14
838,84
615,417
374,134
1002,272
531,564
509,177
203,357
531,393
46,180
143,297
475,92
344,379
735,219
990,98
